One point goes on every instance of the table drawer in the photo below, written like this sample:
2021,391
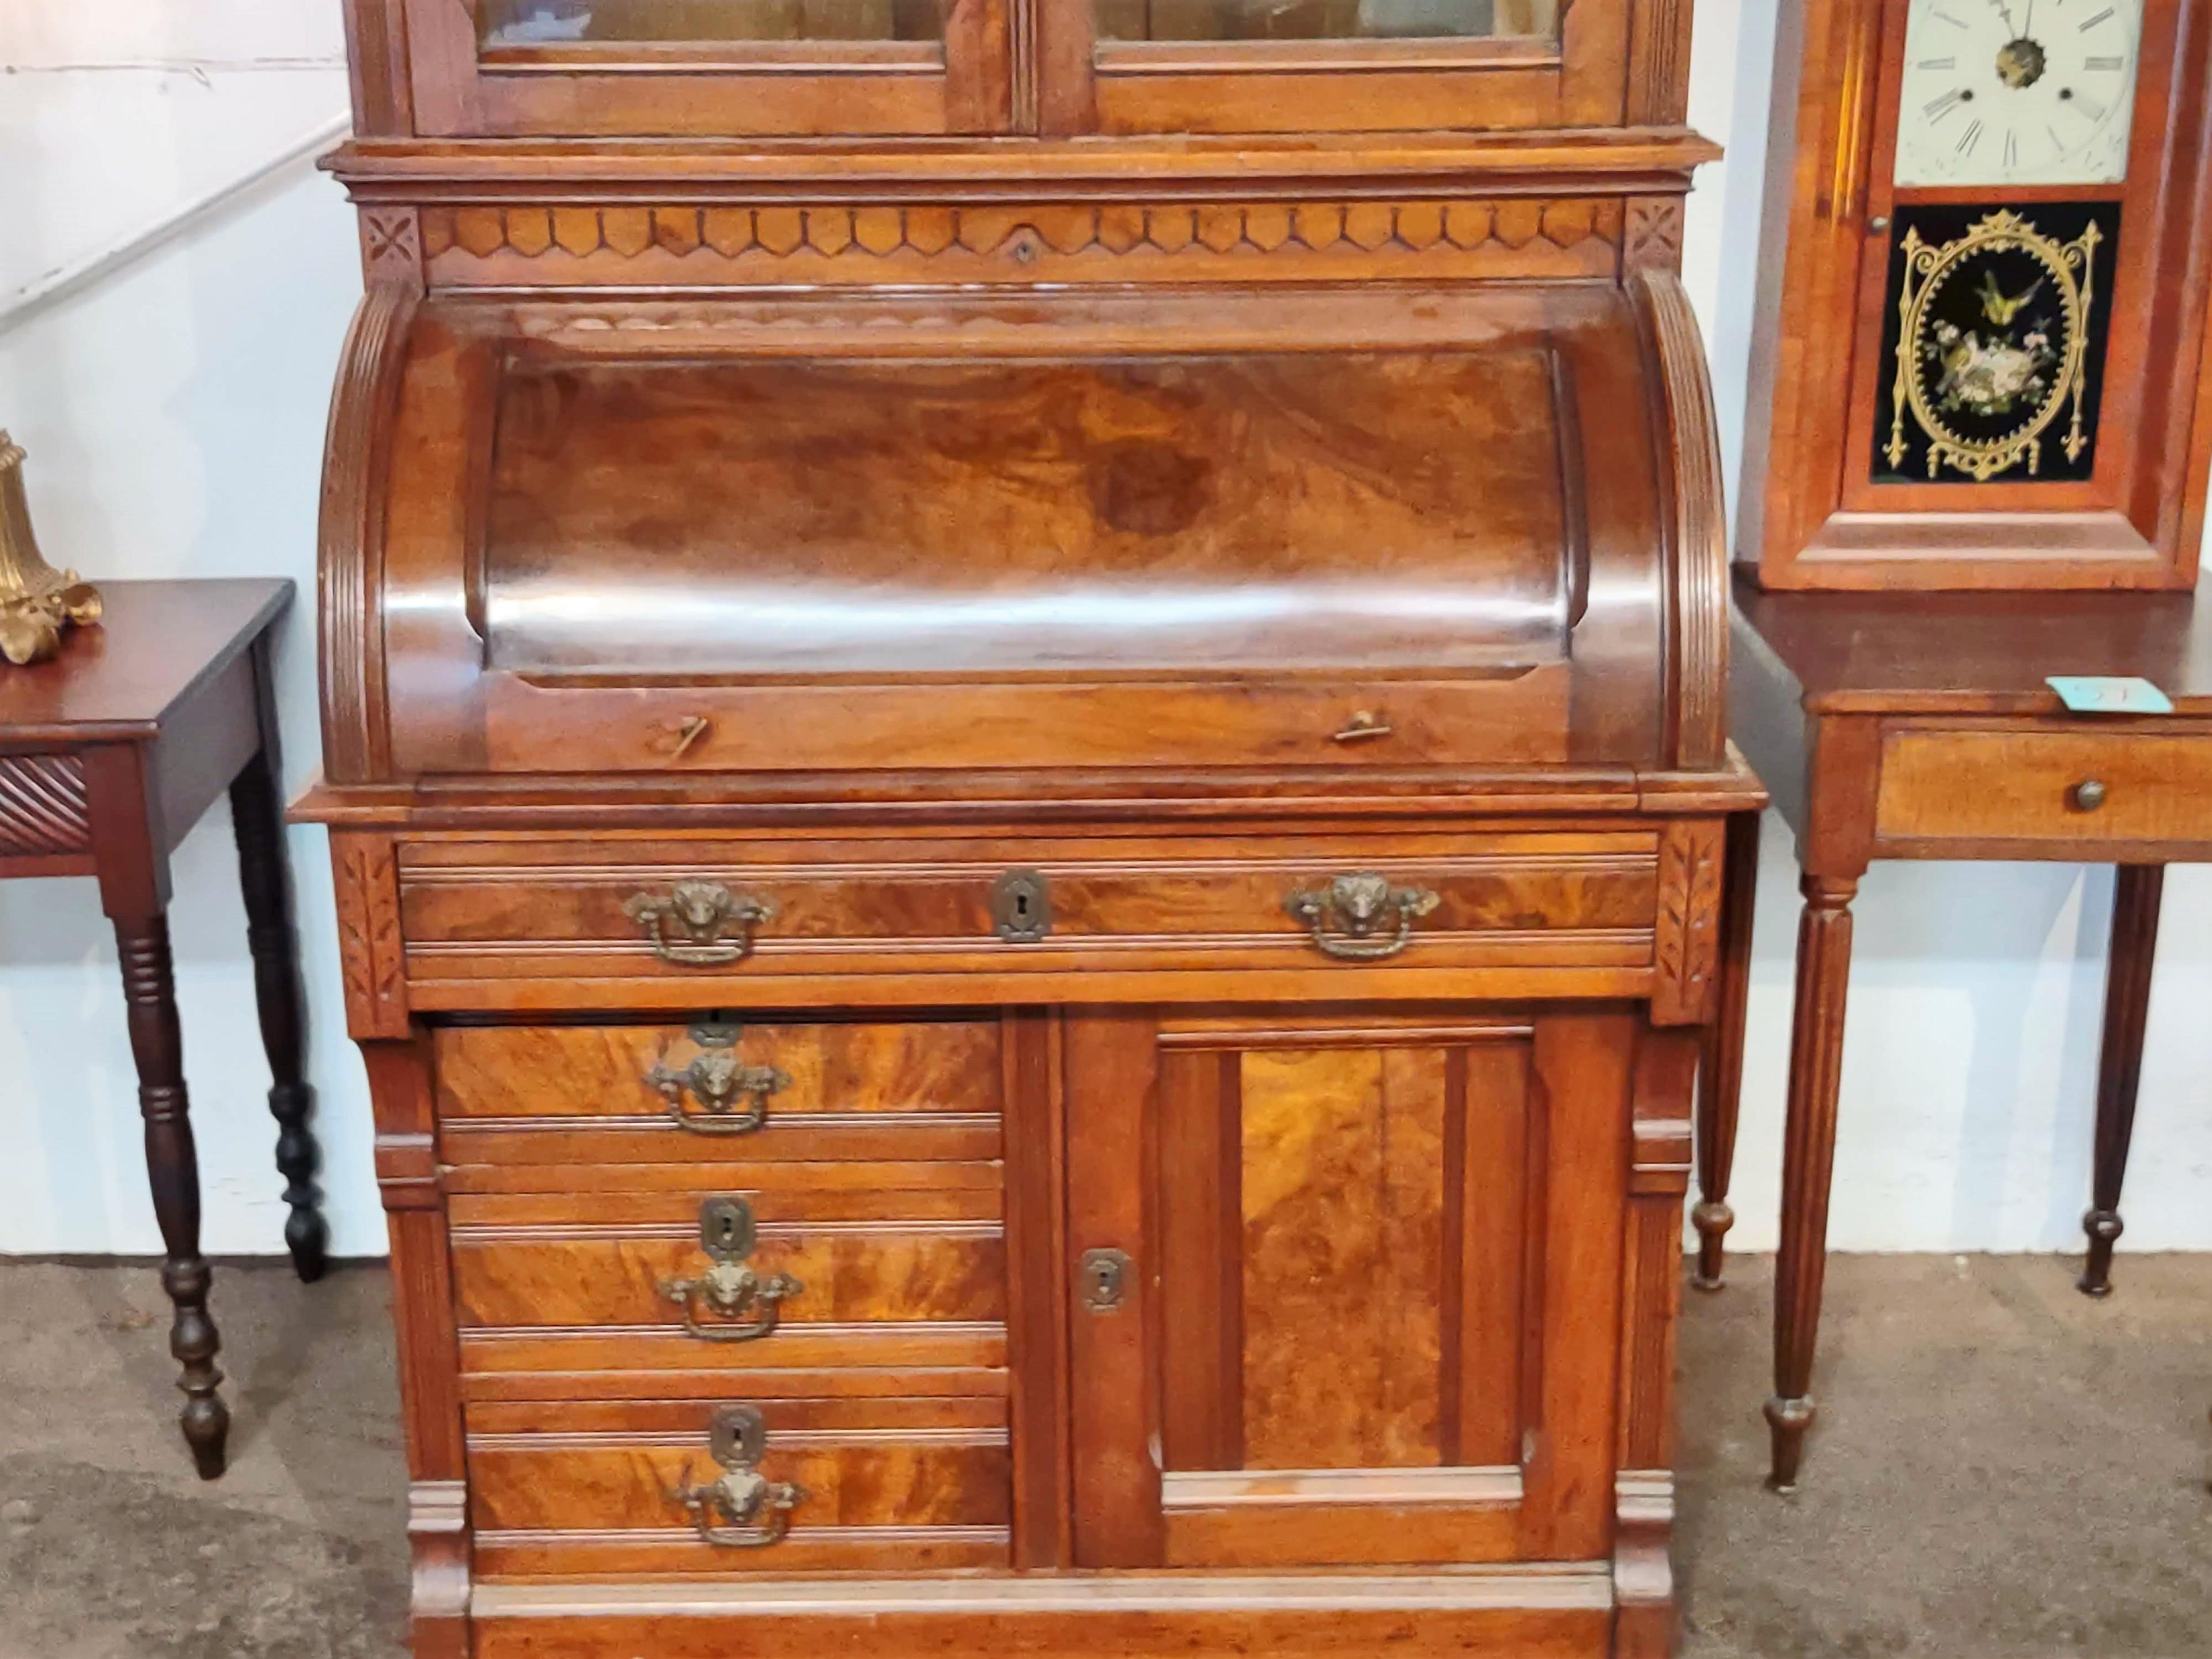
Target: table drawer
599,1488
476,913
2081,786
717,1091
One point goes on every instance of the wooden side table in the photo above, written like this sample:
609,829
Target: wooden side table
1920,727
108,756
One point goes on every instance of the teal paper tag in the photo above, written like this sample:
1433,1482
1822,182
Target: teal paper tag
2109,694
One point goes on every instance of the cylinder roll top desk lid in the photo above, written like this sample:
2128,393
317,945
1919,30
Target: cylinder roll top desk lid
1046,544
1027,787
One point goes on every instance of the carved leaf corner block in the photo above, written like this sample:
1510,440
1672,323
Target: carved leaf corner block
372,961
1685,947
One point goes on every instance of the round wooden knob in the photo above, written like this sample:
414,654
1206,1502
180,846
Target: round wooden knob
2087,795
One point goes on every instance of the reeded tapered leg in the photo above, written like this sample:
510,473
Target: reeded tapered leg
258,819
1808,1161
2119,1067
1720,1068
173,1168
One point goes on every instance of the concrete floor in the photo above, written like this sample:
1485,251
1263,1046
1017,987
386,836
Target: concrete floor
2004,1470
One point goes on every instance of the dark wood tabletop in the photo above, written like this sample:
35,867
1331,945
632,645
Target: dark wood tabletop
158,643
1977,653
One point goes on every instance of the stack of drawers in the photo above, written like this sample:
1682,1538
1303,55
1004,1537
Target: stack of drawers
730,1297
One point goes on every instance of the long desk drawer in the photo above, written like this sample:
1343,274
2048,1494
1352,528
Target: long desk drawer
483,911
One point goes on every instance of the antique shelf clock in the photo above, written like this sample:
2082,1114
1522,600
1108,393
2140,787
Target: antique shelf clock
1980,365
1022,718
1981,357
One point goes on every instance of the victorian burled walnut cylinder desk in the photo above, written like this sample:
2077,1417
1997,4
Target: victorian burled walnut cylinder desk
1023,736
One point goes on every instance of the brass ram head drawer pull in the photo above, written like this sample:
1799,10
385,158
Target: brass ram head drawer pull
699,924
743,1510
718,1081
744,1306
1360,917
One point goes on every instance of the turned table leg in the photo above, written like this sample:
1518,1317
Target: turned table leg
257,816
1720,1068
173,1168
1808,1159
2119,1067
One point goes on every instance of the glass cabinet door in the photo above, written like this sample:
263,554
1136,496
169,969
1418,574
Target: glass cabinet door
709,68
1323,65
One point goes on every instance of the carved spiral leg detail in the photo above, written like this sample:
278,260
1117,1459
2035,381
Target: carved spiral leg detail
173,1170
259,824
1808,1159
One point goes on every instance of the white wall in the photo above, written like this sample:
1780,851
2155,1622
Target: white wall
175,416
173,413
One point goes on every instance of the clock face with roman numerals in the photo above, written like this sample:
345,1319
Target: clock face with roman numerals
2017,92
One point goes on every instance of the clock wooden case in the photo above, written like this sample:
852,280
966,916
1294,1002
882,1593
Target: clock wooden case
1022,723
1979,357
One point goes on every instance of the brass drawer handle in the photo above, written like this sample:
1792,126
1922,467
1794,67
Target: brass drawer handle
699,924
1348,918
718,1081
745,1306
1364,723
2087,795
743,1510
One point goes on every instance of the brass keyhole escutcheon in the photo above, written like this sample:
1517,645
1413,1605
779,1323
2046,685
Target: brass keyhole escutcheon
1021,907
1105,1279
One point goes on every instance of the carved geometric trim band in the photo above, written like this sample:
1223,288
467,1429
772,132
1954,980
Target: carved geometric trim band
1117,242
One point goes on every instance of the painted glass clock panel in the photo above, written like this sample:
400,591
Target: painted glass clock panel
1992,365
2017,92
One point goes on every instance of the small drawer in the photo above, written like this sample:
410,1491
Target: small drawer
733,1483
2073,786
717,1091
740,1273
478,914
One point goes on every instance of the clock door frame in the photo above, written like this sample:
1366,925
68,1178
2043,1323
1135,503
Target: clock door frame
1812,515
